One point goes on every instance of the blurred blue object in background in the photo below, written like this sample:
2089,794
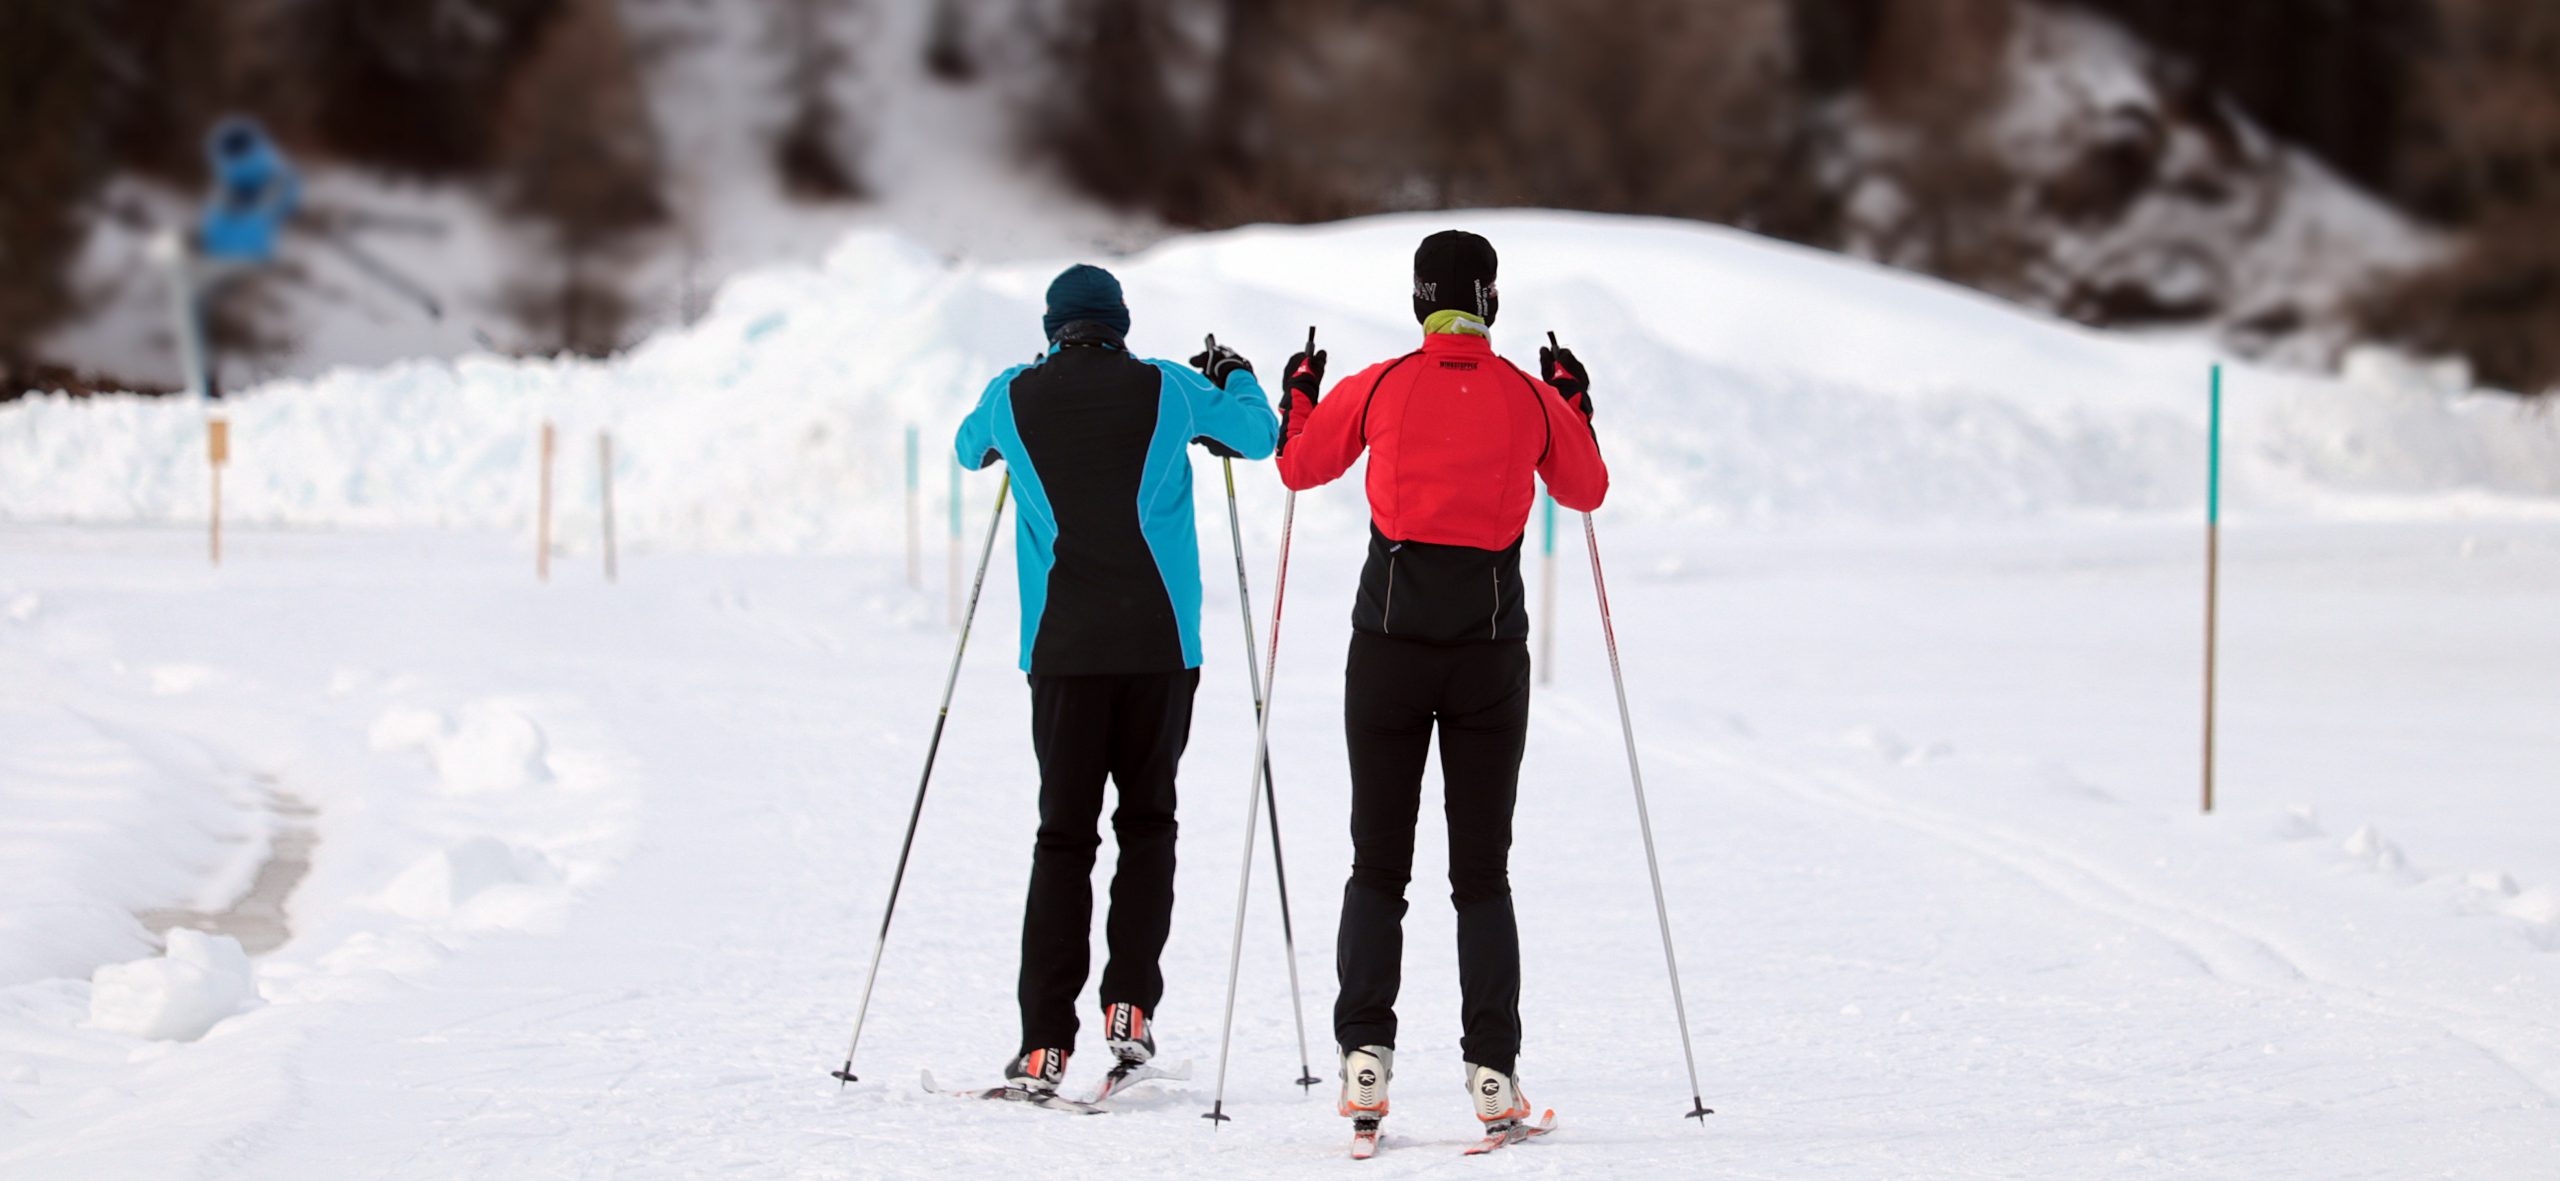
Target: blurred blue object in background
254,191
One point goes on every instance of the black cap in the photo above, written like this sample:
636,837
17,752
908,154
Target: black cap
1453,272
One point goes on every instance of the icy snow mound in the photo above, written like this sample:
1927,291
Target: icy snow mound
485,747
1738,380
480,881
179,996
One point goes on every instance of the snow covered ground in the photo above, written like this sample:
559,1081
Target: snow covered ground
1926,805
580,879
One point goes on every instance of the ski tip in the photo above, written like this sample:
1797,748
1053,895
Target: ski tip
927,1077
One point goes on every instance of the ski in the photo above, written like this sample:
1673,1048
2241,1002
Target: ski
1012,1094
1364,1138
1130,1074
1514,1134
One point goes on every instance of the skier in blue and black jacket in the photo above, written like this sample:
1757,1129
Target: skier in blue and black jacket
255,193
1097,439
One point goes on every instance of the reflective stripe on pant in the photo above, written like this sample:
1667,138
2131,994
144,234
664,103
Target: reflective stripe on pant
1395,694
1130,729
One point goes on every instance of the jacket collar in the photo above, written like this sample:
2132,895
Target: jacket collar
1457,342
1087,332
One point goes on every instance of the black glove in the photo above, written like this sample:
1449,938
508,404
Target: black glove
1216,361
1218,449
992,456
1306,373
1299,390
1565,372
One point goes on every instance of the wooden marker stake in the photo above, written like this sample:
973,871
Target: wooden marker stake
542,511
604,478
217,451
2212,574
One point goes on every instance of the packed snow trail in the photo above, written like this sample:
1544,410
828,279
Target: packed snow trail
1925,803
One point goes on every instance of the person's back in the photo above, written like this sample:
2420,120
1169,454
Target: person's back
1097,443
1109,552
1107,492
1456,439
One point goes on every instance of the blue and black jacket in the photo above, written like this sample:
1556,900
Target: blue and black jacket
254,192
1097,440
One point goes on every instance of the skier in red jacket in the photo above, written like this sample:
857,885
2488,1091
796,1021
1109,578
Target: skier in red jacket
1456,438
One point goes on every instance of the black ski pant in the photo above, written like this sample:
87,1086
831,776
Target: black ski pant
1130,729
1395,693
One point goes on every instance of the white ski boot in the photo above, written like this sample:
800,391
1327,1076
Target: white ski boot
1504,1110
1497,1095
1365,1074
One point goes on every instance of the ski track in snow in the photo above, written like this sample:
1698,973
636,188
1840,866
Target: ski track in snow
1953,954
2229,952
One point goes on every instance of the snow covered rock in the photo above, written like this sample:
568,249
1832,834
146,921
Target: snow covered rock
200,980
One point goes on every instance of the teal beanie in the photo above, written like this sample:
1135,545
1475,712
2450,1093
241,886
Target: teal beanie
1088,293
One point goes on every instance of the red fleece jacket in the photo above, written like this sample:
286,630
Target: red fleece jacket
1454,433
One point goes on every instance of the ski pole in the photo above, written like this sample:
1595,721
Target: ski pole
1270,794
907,845
1257,780
1644,822
384,273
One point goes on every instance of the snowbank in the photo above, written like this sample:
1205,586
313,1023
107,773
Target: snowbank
1739,381
99,821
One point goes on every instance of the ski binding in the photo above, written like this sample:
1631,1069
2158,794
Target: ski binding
1129,1074
1514,1134
1364,1137
1013,1094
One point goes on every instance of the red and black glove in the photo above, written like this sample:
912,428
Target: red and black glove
1299,391
1564,371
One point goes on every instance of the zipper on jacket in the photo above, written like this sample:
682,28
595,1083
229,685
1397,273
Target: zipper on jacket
1387,616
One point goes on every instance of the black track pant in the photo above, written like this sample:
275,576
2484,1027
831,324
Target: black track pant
1131,729
1394,693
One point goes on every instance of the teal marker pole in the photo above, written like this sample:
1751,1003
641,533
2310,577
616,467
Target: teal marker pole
1547,588
915,523
954,577
2212,573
